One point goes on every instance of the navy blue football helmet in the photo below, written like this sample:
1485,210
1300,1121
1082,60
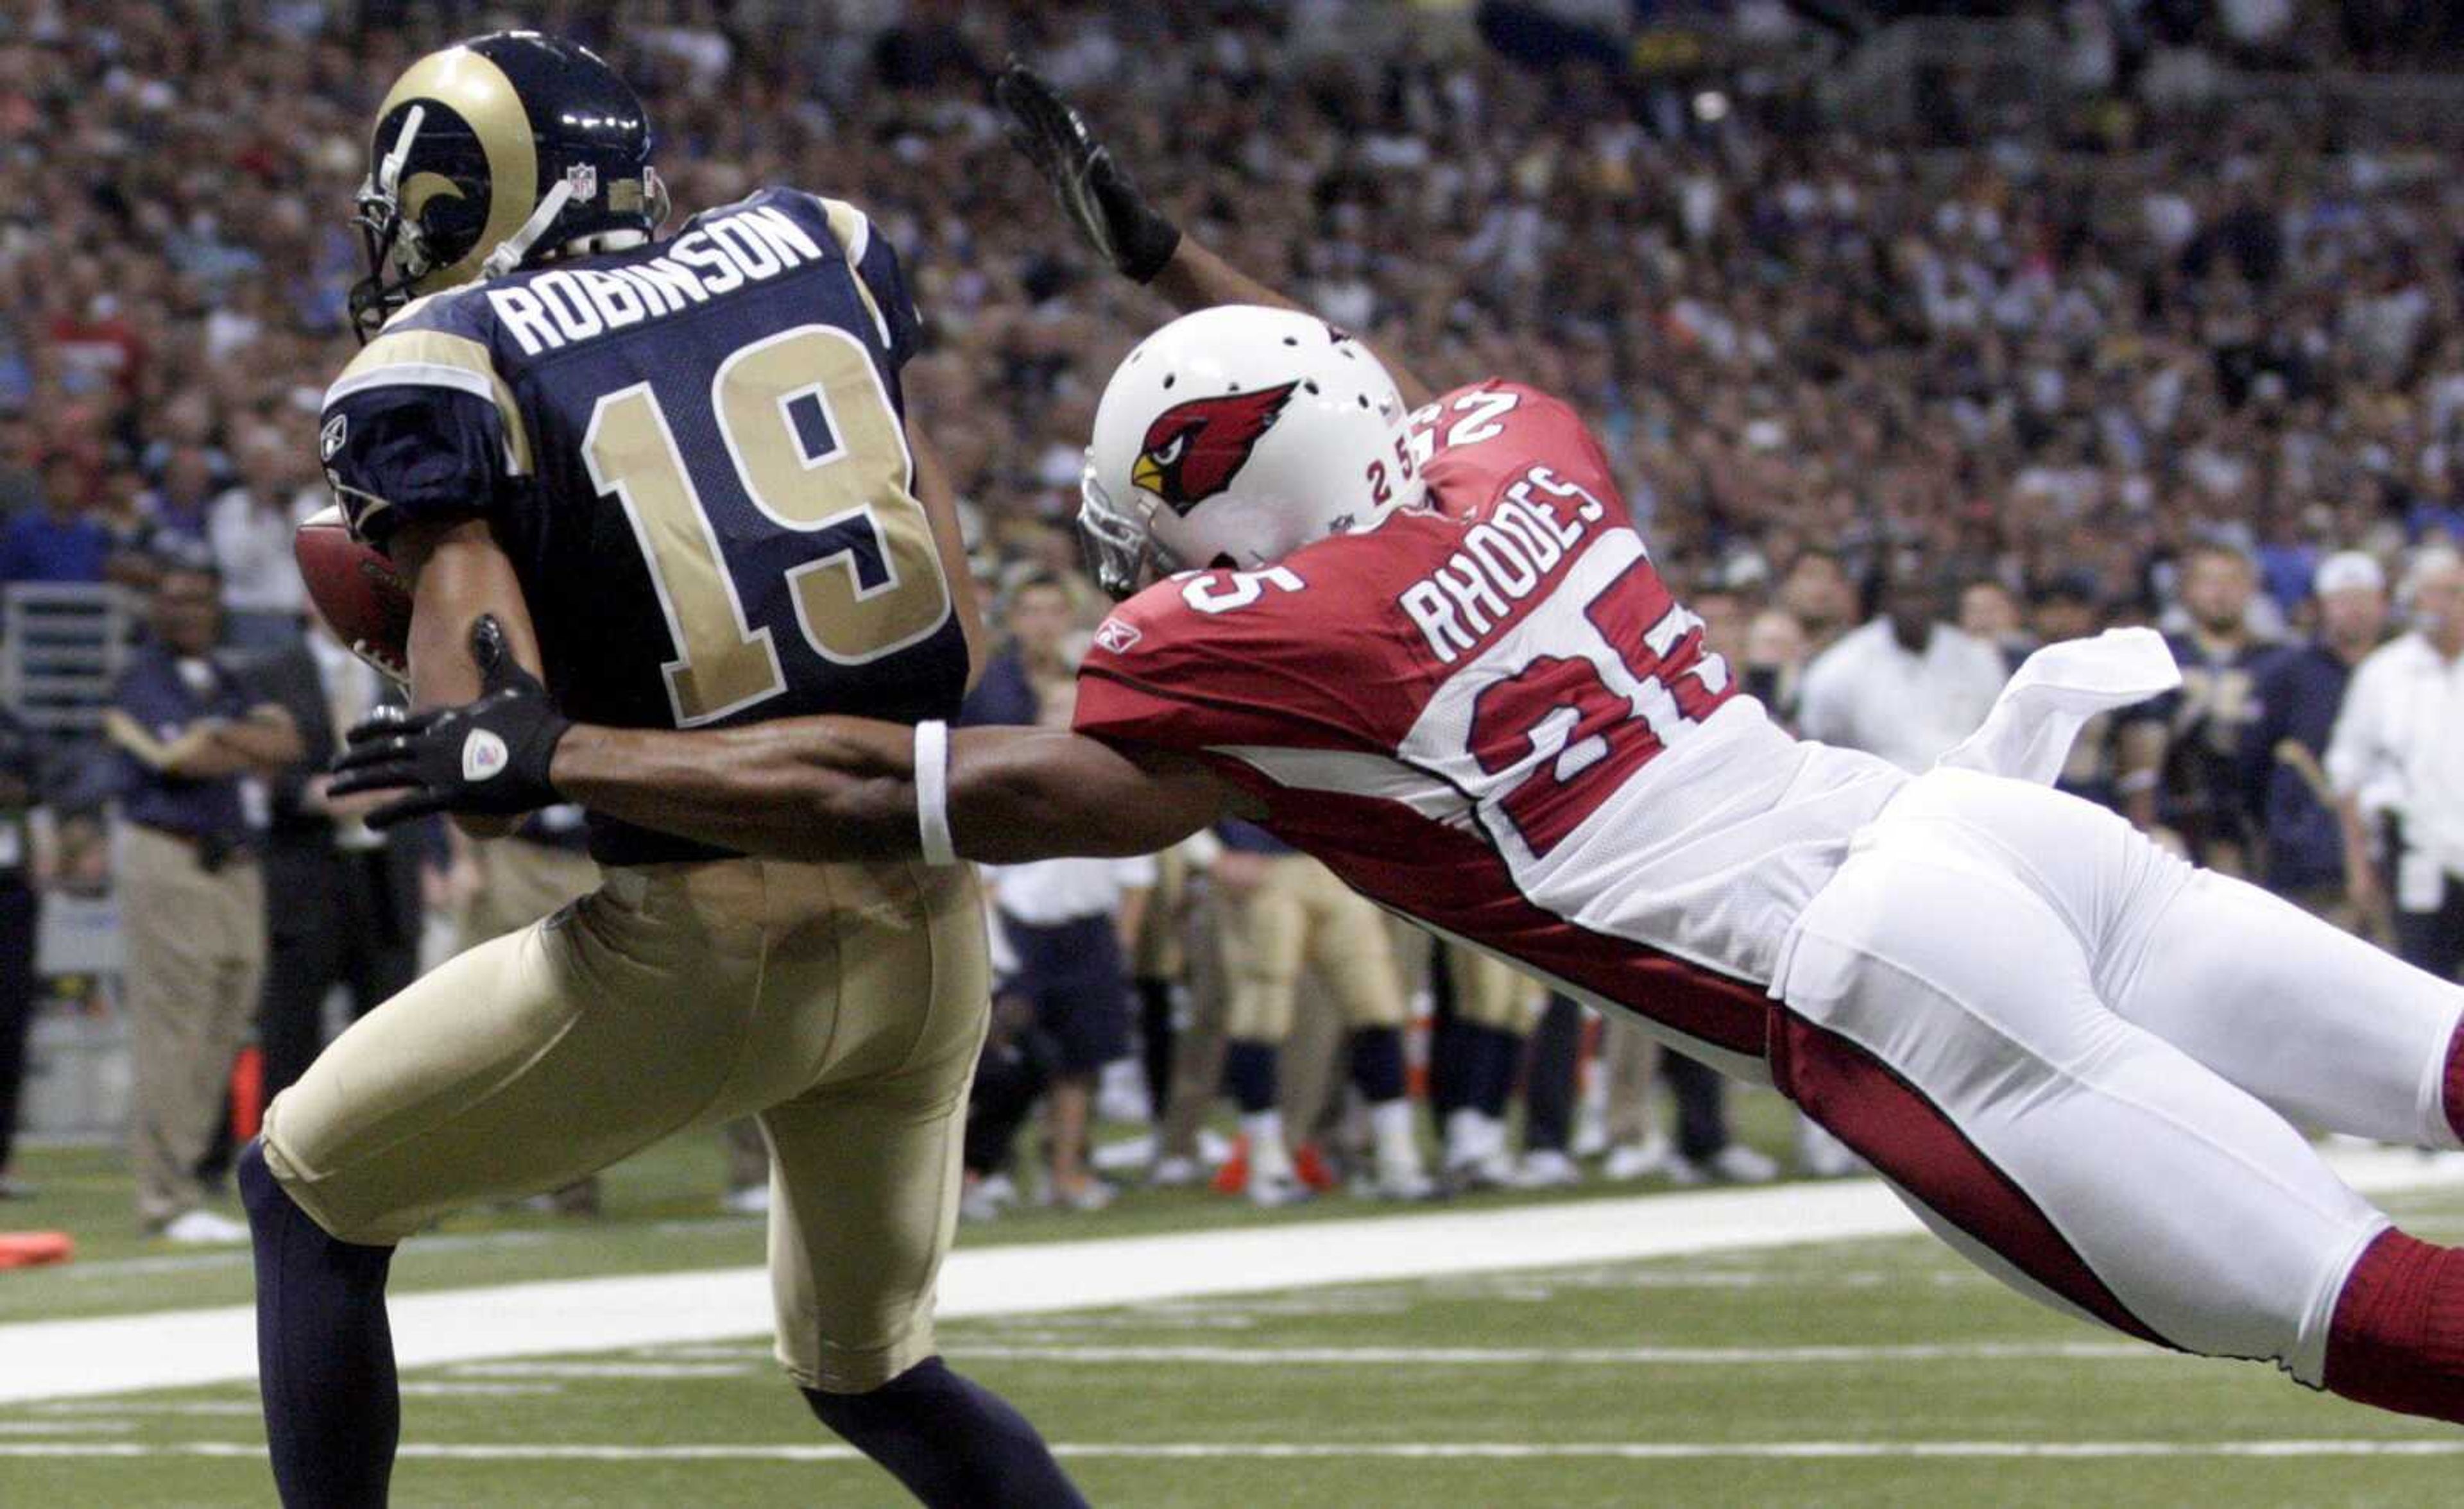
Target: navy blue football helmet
495,154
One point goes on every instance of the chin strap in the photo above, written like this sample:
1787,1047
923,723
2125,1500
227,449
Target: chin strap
389,171
510,250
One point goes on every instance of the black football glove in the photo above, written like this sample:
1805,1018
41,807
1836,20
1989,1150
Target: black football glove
1095,192
489,755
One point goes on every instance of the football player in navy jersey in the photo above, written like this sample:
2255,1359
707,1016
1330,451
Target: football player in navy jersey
679,474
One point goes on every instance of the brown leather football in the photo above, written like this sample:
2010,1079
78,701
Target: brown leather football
357,591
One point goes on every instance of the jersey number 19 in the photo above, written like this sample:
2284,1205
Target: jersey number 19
869,581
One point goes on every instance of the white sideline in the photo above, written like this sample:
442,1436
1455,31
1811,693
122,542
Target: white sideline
1321,1451
173,1348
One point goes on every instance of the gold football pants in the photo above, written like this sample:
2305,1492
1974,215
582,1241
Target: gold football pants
843,1003
1299,913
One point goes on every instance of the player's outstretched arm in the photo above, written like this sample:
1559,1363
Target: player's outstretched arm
836,788
826,788
1122,225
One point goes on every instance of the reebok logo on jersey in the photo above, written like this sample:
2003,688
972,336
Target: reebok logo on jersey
329,441
1115,636
1193,451
483,756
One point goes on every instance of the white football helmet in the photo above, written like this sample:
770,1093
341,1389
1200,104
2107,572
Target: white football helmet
1240,433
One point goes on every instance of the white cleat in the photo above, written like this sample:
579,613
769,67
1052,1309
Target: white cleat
1404,1185
1092,1195
1638,1160
202,1228
1272,1192
1590,1132
749,1199
1548,1169
1127,1153
1173,1173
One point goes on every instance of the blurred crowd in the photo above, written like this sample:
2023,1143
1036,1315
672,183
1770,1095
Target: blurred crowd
1891,410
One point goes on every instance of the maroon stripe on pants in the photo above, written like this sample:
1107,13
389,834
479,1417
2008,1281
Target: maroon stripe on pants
1894,1127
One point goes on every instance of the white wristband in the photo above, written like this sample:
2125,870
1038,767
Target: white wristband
933,793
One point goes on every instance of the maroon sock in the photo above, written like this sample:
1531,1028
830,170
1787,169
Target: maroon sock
2398,1337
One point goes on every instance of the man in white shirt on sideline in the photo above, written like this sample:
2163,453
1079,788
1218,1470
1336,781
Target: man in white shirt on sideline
1908,685
248,528
2397,765
1068,923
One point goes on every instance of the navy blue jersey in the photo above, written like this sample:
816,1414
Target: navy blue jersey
2298,691
694,453
2201,796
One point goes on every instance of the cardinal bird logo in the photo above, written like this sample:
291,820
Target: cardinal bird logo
1193,451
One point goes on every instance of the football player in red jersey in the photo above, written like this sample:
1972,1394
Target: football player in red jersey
1422,640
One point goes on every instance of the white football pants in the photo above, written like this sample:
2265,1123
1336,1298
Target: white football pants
2073,1056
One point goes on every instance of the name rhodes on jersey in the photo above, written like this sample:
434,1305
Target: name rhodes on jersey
1504,559
554,309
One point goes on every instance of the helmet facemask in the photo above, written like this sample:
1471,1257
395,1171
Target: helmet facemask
397,253
1122,551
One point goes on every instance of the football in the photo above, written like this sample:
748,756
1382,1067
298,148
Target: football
357,592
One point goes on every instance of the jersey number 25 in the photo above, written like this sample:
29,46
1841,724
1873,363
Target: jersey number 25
869,583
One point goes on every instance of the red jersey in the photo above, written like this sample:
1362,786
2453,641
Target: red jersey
1490,715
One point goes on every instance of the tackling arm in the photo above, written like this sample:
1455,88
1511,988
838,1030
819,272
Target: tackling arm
1103,201
821,788
838,788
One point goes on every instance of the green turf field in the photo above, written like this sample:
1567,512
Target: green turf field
1873,1372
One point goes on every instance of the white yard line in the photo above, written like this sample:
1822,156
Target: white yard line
120,1354
1324,1451
1555,1356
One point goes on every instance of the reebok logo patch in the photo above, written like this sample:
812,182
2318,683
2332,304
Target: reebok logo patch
483,756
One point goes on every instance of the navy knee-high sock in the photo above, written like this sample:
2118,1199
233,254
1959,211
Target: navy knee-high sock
1249,1075
951,1441
324,1352
1377,1063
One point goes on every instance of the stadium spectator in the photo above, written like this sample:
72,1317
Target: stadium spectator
2201,788
1988,611
59,542
1035,660
1820,596
1070,925
1280,909
1704,1150
250,527
19,916
2066,607
1773,662
1160,974
346,899
2297,694
1907,686
1551,1080
197,744
1012,1074
2396,760
1484,1009
179,509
